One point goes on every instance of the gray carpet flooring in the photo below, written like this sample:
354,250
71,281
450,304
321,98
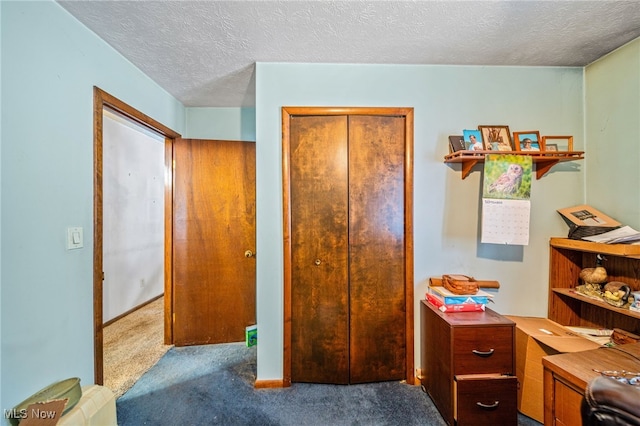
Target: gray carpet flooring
213,385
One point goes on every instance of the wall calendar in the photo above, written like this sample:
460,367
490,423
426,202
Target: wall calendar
506,204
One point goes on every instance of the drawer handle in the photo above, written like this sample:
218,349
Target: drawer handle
483,354
488,406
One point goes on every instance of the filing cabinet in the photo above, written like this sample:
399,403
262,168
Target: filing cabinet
468,366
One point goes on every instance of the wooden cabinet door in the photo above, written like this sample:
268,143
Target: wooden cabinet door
348,306
214,282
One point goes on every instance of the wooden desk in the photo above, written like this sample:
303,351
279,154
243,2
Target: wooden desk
566,377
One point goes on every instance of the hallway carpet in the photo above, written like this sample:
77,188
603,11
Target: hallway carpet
132,345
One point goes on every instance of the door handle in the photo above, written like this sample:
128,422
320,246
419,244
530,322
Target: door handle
249,253
318,262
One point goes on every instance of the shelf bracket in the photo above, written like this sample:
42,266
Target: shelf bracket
543,166
467,166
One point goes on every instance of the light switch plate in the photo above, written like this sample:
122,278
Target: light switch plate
75,239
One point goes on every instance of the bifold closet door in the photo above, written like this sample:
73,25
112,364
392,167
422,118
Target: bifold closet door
347,242
376,248
319,247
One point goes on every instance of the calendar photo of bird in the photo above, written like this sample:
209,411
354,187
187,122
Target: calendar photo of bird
507,176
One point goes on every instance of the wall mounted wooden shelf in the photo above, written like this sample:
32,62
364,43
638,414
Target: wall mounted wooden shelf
543,160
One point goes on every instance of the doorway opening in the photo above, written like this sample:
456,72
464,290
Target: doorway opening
133,252
105,102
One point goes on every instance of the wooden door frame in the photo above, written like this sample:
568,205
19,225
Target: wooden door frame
102,100
407,113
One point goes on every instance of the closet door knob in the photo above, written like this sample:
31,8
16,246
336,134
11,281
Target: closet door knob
318,262
248,253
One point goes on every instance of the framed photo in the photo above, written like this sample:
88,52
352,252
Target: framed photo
527,141
551,147
473,140
456,143
496,138
562,143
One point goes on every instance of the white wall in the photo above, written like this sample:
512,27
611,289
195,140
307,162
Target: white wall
133,215
612,109
50,63
446,99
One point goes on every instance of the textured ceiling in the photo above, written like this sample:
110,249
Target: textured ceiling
204,52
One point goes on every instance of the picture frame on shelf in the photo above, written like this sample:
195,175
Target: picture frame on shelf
496,137
473,140
562,143
456,143
527,141
551,147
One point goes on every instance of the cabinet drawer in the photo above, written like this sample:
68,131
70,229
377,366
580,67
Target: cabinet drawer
479,350
486,400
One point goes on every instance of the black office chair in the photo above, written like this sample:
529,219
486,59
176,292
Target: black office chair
610,402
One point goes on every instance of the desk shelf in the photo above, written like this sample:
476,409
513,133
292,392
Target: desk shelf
570,308
544,160
568,292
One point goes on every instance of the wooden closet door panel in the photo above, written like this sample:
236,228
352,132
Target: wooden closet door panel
377,248
319,239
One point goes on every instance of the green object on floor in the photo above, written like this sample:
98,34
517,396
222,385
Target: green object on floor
251,335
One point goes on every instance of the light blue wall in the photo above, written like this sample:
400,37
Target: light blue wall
50,63
221,123
446,100
612,108
1,203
